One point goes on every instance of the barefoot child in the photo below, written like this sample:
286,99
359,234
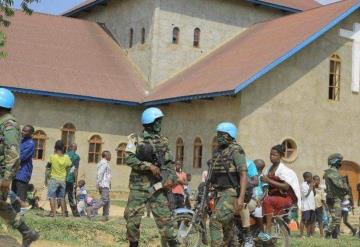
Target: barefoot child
307,203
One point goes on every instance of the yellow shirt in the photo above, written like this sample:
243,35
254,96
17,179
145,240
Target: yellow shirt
320,196
59,166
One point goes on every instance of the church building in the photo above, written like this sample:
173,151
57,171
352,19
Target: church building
283,71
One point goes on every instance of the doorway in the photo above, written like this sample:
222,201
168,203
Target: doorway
352,171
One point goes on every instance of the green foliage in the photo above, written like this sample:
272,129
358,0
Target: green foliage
6,12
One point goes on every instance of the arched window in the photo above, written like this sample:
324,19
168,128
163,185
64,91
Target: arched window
143,35
176,34
179,149
214,144
95,144
39,138
131,37
334,78
68,134
197,153
120,160
196,37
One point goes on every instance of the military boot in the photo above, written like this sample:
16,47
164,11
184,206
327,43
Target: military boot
28,235
248,240
334,234
173,243
134,244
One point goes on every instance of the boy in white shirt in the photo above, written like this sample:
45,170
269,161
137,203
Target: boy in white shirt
103,184
307,203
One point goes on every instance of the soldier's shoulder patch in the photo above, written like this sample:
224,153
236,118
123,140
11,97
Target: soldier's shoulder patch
10,124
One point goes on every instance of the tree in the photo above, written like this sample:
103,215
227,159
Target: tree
7,11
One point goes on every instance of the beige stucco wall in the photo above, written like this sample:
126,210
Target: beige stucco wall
121,15
158,58
218,21
112,122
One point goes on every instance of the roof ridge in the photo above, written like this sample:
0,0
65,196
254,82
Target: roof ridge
54,16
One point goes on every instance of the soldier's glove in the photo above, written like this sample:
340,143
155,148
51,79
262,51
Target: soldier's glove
155,170
5,186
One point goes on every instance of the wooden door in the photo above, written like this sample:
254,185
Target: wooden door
352,170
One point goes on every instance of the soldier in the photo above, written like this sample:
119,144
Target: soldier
152,175
229,181
336,190
9,164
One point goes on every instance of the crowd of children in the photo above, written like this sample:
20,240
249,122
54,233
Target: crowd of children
314,211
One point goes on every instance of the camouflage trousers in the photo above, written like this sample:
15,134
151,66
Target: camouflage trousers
8,213
159,206
335,215
222,218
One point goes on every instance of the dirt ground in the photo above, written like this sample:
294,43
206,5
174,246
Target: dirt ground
115,211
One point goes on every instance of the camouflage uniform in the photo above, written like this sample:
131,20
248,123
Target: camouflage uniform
335,191
222,219
9,163
141,181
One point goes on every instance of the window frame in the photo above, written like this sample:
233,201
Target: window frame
131,37
197,156
334,78
176,35
96,155
196,41
180,149
293,149
143,33
67,130
120,148
38,136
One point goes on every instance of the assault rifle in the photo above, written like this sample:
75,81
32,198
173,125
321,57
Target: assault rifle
202,207
346,180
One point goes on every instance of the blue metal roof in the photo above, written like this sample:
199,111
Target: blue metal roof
275,6
71,96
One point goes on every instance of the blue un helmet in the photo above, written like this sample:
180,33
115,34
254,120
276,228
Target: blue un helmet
335,160
7,98
229,128
150,115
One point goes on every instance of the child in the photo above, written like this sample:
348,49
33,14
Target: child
307,204
103,184
258,195
57,168
187,191
320,204
82,198
32,198
345,207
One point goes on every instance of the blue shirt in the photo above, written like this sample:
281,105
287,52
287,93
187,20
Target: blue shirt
27,149
251,169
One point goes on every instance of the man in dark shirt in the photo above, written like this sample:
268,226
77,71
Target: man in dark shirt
23,175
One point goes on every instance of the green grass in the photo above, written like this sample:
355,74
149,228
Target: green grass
316,241
81,232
